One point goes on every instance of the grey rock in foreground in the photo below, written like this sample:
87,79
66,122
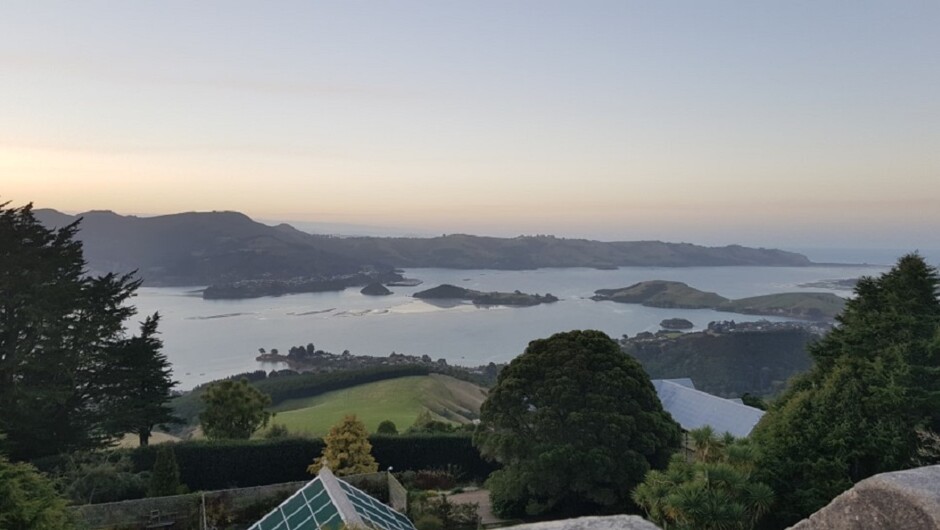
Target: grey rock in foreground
908,500
613,522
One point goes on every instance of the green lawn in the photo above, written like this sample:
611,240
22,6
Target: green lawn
399,400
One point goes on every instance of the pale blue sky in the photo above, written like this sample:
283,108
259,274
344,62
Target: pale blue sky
797,123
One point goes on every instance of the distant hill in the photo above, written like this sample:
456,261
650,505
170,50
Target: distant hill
202,248
459,251
661,293
199,248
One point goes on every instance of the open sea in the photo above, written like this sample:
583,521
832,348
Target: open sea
210,339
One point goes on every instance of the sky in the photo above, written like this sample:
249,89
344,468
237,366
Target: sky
779,124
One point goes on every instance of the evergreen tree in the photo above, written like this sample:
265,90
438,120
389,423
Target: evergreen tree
234,410
165,478
58,330
576,424
347,450
141,384
873,388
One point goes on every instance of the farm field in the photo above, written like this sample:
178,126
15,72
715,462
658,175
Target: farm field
400,400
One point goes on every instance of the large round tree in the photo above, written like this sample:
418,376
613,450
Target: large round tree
576,424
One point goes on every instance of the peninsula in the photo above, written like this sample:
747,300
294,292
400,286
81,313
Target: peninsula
661,293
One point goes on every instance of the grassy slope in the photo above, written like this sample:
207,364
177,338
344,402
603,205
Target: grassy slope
805,305
399,400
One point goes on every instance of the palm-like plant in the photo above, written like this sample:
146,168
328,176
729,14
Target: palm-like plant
713,491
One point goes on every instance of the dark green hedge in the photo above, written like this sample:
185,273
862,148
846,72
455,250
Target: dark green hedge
210,465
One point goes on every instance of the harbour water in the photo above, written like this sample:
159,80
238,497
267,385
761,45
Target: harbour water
210,339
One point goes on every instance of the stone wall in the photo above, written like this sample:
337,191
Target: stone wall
222,508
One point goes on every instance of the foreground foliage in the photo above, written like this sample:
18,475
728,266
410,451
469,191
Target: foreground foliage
66,365
347,451
874,387
28,500
576,423
715,490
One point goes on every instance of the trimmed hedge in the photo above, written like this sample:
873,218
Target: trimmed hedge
211,465
222,464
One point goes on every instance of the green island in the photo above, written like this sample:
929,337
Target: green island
516,298
669,294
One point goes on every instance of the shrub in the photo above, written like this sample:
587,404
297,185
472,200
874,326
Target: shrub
434,479
429,522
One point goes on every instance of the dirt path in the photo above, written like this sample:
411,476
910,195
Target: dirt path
482,499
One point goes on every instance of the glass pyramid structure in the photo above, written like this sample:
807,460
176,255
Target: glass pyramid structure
329,503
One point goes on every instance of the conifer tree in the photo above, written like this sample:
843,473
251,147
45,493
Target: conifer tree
873,388
165,478
347,451
59,331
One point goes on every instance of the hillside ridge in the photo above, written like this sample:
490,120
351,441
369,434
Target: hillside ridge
205,248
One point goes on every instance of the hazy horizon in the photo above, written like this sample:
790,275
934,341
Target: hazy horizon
789,125
873,255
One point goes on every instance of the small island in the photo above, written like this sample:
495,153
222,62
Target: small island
375,289
676,324
661,293
515,299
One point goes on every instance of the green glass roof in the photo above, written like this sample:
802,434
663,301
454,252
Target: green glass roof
329,503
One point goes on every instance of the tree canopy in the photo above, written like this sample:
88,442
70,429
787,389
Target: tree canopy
65,358
348,450
576,424
234,409
863,407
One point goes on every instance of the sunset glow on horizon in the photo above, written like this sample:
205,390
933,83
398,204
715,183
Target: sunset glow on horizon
783,124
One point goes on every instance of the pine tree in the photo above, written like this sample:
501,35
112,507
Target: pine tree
141,384
873,388
347,451
165,478
58,328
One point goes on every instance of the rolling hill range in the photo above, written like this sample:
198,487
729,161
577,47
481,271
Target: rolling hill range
399,400
199,248
203,248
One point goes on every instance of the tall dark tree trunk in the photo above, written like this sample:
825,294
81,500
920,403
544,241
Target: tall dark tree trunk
144,436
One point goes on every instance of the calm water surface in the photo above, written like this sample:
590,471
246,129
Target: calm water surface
209,339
